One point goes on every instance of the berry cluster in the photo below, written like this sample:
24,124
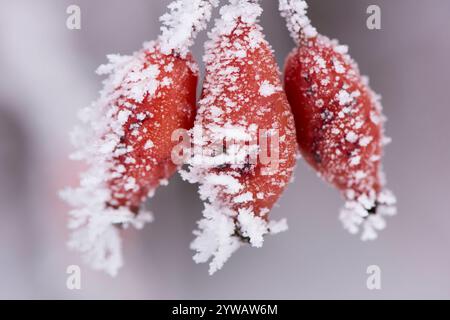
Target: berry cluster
325,108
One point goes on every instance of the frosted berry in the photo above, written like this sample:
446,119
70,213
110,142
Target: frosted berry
127,137
148,118
242,98
339,123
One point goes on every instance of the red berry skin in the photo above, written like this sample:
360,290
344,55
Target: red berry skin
338,118
149,129
250,108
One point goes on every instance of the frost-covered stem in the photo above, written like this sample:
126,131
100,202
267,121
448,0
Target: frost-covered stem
180,26
246,10
298,23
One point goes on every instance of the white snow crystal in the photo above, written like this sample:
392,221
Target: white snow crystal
352,137
338,67
365,141
216,238
246,197
148,145
354,161
355,216
252,227
344,98
342,49
335,131
267,89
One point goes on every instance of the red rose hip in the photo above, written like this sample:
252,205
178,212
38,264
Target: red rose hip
339,122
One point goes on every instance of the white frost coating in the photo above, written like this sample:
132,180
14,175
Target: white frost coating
351,137
182,24
216,237
232,185
344,98
267,89
294,11
365,141
277,227
246,197
252,227
148,145
355,216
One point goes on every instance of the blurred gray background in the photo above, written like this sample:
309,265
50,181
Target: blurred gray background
47,74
